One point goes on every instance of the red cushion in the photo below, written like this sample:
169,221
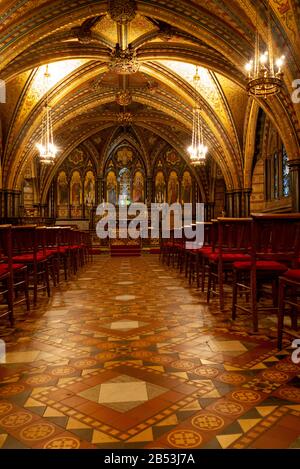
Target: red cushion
293,274
169,244
261,265
229,257
29,258
63,249
4,268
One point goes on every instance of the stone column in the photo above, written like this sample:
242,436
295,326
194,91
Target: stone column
229,203
99,191
149,190
209,211
294,166
237,203
246,202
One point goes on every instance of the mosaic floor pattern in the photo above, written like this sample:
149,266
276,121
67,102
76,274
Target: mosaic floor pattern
143,362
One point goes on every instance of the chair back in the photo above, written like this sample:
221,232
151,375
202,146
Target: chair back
6,246
234,235
52,236
276,237
24,239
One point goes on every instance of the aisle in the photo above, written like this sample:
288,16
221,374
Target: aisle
128,356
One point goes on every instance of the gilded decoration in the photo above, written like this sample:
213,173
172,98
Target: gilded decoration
122,11
124,98
219,35
124,62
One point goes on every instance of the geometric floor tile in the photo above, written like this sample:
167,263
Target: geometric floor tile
91,368
102,438
226,440
247,424
126,325
123,393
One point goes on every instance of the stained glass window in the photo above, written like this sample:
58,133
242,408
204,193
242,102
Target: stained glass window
285,174
276,181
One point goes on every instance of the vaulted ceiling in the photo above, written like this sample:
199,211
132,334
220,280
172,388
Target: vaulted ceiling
95,85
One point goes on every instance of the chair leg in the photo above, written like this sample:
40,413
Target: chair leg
209,284
52,270
35,284
65,263
46,274
203,269
221,287
26,289
10,300
253,299
57,267
280,312
234,293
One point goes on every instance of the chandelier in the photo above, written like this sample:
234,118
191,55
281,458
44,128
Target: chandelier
47,149
197,150
265,76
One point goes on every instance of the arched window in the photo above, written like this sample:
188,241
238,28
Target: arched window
286,186
277,176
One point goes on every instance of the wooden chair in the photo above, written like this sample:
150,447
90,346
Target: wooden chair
196,258
233,245
26,240
274,246
64,250
13,275
6,272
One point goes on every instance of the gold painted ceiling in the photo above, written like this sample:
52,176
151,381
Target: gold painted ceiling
166,39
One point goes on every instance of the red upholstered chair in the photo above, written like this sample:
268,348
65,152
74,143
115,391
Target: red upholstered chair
29,249
52,237
6,272
196,256
167,247
64,250
233,245
86,246
289,295
274,246
13,276
75,250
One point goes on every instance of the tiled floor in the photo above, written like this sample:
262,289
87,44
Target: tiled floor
127,356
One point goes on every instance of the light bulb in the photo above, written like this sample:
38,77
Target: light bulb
280,62
264,58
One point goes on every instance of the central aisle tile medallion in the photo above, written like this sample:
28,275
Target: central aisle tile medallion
125,297
123,393
126,325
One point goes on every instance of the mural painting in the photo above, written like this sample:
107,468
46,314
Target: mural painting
111,188
173,188
89,189
160,188
186,188
138,193
76,195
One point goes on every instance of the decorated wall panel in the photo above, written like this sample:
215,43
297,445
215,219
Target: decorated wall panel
173,180
76,186
125,176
